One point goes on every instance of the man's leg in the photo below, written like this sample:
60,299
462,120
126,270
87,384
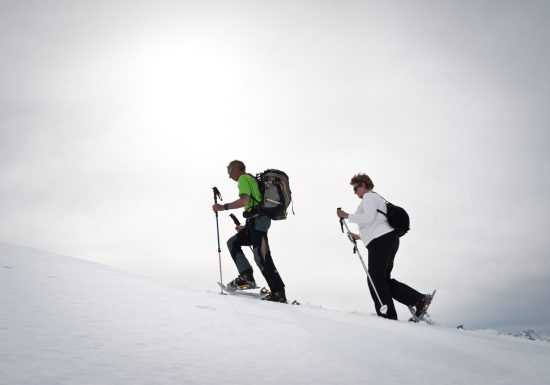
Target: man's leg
234,244
262,254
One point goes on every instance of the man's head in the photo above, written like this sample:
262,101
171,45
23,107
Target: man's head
235,169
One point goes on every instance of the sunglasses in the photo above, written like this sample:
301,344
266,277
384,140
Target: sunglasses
357,187
229,170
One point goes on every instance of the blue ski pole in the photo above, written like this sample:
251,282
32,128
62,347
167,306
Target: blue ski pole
216,196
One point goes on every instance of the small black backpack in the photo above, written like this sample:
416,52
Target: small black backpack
397,217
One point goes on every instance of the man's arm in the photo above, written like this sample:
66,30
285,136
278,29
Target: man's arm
241,202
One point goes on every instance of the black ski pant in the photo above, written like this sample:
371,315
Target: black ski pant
382,251
255,234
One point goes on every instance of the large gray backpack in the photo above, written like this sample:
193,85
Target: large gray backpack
276,193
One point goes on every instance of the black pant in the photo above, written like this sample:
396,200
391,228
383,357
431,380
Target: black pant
382,251
254,234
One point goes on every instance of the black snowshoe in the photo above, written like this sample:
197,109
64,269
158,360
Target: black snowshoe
420,310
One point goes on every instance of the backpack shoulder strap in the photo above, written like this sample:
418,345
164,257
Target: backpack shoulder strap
385,200
380,211
251,196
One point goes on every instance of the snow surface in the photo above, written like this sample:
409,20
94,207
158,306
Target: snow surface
68,321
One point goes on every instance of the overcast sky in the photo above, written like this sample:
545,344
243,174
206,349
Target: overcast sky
118,117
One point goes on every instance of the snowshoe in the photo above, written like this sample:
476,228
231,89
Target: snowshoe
275,296
241,283
420,310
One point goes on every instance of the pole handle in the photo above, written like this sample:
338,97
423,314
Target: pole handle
342,224
217,194
341,220
235,220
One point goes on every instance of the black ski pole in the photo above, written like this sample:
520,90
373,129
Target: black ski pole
383,308
216,196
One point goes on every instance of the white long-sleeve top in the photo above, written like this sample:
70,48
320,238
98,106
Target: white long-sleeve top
371,223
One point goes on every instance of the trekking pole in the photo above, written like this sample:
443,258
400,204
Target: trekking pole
216,196
383,308
235,220
238,223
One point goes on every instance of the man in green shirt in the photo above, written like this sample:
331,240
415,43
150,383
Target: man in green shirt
254,234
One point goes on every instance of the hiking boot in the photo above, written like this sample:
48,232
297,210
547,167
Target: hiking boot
241,283
275,296
422,305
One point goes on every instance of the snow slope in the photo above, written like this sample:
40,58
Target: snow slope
67,321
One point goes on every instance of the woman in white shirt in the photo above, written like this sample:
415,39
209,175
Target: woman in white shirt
382,243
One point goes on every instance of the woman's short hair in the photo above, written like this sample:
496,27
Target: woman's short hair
362,179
